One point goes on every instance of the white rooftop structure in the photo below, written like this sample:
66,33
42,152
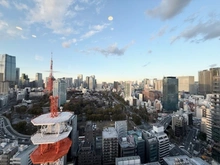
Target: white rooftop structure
109,132
53,129
46,119
40,138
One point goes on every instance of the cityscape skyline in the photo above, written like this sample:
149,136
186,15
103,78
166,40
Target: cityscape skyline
101,38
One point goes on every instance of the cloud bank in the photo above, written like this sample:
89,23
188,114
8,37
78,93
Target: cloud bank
168,9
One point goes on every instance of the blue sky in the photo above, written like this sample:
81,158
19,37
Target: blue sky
114,39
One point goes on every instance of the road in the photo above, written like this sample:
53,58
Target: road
129,112
6,131
190,139
166,121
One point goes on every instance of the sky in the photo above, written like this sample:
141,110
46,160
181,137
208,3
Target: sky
114,40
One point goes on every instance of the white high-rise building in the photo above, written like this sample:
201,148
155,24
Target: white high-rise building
80,79
59,89
92,82
39,80
163,141
127,90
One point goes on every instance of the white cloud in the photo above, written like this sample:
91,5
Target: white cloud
94,29
168,9
68,43
1,14
202,30
19,28
4,3
39,58
3,24
160,33
77,8
63,38
52,14
20,6
89,34
113,49
34,36
99,27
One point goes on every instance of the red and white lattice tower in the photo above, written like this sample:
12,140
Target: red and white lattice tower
50,80
52,137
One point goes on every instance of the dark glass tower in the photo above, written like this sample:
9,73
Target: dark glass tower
170,94
215,100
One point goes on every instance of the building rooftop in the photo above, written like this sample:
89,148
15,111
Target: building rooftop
23,149
109,132
184,159
128,160
127,142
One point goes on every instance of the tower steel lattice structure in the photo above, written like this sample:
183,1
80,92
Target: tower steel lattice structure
49,87
52,136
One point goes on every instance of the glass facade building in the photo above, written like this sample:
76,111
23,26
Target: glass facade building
170,94
8,68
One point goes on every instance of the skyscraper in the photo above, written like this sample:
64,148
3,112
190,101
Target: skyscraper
215,113
17,75
39,80
69,82
80,79
59,89
204,82
186,84
91,82
8,68
87,82
127,89
170,94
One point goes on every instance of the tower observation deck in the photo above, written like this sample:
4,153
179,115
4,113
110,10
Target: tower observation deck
52,136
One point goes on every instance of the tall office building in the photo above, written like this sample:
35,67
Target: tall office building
127,90
158,84
152,150
4,87
215,102
69,82
170,94
87,82
186,84
214,79
39,80
109,145
163,141
204,82
140,143
24,80
116,83
91,82
17,75
59,89
8,68
179,125
80,79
